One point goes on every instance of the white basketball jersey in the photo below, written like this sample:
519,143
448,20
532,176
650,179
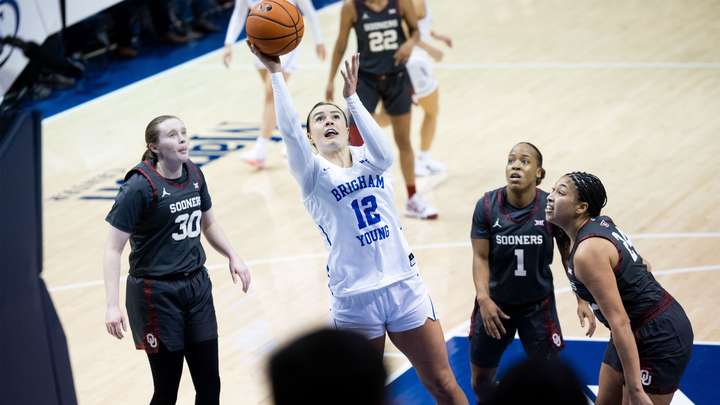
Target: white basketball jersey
354,210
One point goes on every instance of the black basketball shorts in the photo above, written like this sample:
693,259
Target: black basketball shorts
173,310
395,91
664,345
537,325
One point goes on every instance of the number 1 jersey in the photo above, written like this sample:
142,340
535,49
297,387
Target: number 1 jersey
355,213
521,247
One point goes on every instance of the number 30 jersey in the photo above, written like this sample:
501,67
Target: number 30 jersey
520,247
354,210
163,218
641,295
379,35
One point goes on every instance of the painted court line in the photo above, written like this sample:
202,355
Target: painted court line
582,66
524,66
446,245
94,283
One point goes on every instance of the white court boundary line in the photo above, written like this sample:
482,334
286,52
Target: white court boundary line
460,330
448,245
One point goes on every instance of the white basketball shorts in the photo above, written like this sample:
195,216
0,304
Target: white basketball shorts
422,76
399,307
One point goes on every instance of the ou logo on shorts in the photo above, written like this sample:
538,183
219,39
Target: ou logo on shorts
556,339
645,377
152,340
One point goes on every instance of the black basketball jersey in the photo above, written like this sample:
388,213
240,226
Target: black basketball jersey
642,296
379,35
521,247
165,229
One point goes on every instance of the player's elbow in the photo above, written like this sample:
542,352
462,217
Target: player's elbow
619,321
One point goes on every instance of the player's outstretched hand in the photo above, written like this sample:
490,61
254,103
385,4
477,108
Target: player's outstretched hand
115,322
227,55
350,75
272,63
583,312
492,317
238,269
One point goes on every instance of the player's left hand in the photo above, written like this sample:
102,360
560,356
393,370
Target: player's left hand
272,63
320,51
227,55
350,75
436,54
403,53
238,269
446,40
584,311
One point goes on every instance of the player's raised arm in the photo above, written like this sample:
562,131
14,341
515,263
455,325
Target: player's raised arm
300,156
379,150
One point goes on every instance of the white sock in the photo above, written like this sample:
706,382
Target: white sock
261,142
422,155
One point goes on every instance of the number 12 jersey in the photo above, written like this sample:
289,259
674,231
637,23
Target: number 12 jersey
354,210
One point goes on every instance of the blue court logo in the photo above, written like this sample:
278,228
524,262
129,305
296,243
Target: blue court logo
9,26
225,138
698,385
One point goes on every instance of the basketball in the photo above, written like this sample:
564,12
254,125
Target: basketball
275,27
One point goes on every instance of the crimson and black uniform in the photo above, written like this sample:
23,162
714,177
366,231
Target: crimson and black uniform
521,284
168,295
379,35
662,331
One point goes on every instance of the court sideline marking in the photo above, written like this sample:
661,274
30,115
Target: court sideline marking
446,245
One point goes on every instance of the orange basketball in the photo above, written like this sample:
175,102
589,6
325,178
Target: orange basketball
275,27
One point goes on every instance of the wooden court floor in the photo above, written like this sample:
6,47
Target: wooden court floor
627,90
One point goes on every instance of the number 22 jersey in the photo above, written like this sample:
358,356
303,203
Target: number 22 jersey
379,35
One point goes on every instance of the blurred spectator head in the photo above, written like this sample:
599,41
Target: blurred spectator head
328,367
539,381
